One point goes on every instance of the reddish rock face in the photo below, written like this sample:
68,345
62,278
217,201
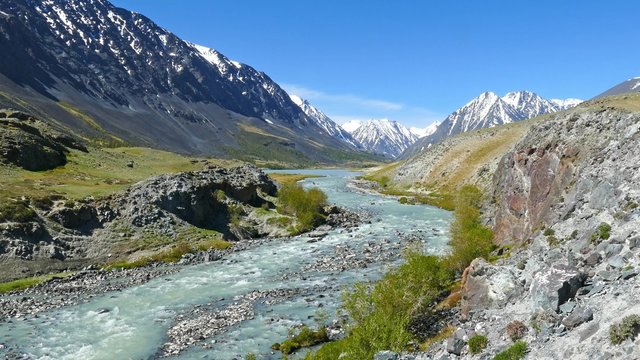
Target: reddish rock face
528,182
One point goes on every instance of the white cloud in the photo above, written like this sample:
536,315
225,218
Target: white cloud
355,100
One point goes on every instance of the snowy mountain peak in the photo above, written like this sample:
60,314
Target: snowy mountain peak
384,136
422,132
489,110
322,121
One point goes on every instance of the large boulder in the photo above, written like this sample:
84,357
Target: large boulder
553,286
485,285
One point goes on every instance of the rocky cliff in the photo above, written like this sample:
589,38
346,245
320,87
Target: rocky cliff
565,199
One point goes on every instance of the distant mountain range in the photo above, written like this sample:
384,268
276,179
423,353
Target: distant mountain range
382,137
116,77
488,110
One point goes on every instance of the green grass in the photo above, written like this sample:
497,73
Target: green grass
189,240
477,343
305,204
98,173
287,179
29,282
516,351
306,337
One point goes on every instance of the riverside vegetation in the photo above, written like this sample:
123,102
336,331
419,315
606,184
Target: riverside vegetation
381,313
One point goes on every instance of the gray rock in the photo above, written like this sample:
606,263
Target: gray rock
579,316
554,286
608,275
455,345
567,307
613,249
629,274
485,285
593,259
616,262
385,355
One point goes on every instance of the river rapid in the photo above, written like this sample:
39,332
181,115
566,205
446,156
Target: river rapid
303,276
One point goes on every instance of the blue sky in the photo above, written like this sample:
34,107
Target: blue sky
415,61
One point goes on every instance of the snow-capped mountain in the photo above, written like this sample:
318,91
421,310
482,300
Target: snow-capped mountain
422,132
488,110
324,122
141,84
384,137
628,86
351,126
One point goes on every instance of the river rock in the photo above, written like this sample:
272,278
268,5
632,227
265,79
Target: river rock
554,286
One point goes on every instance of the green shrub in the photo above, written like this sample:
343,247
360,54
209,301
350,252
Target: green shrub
603,232
469,238
16,211
549,232
305,205
250,356
403,200
516,351
516,330
627,329
477,343
306,337
552,240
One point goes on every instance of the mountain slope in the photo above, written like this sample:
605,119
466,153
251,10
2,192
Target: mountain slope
113,74
489,110
324,122
628,86
384,137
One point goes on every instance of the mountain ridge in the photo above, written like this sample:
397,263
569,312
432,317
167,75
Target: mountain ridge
489,110
124,76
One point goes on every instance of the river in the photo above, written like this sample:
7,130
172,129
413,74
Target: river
136,323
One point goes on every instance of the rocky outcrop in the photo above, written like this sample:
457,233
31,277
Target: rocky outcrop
485,285
157,211
23,143
578,167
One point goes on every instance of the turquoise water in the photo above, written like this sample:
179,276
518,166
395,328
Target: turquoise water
139,317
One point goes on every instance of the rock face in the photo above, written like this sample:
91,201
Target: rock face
573,166
25,143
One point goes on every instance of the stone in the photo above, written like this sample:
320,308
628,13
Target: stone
385,355
613,249
616,262
608,275
593,259
484,284
579,316
455,343
596,289
629,274
567,307
554,286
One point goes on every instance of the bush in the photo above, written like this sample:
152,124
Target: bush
516,351
516,330
549,232
477,343
250,356
603,232
16,211
469,238
305,338
306,205
627,329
